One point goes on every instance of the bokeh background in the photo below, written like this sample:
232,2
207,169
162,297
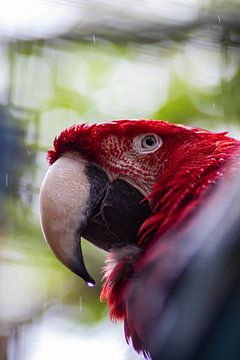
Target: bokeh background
65,62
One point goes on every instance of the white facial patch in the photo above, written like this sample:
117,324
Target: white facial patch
147,143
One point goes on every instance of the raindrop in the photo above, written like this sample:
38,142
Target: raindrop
6,180
80,304
219,19
94,39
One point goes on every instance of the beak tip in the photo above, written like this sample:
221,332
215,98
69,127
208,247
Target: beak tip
79,269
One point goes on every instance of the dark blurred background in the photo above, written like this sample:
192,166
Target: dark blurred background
64,62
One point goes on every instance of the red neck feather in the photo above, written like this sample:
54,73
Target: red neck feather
181,189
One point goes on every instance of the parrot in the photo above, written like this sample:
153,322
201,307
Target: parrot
146,192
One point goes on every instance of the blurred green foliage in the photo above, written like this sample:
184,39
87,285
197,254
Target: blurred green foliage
53,85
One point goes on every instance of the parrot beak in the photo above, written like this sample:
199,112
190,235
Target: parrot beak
77,199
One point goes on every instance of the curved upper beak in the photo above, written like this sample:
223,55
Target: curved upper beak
64,208
76,198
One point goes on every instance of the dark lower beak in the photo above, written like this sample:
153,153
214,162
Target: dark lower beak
116,218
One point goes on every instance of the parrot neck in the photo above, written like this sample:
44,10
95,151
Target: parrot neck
175,197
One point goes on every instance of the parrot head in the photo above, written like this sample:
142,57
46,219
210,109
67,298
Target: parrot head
108,181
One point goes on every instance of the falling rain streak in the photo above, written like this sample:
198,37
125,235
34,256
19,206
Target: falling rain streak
80,304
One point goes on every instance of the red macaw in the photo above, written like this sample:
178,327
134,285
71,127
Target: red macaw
133,188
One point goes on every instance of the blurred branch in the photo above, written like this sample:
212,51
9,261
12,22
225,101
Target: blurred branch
218,27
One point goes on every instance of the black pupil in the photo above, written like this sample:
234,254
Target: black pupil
150,141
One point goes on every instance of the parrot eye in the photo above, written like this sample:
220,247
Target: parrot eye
147,143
